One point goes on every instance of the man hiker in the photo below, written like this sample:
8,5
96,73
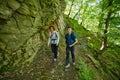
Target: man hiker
53,41
71,40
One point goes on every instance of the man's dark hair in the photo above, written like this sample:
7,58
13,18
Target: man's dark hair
70,27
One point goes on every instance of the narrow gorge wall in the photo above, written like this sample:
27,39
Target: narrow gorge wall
23,27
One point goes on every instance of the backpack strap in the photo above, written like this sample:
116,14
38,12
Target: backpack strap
72,36
66,37
56,35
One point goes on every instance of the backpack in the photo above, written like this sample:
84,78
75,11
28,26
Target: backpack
55,36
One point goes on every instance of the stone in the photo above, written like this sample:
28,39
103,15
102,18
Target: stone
13,4
24,28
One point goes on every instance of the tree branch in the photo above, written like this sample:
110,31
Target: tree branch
70,8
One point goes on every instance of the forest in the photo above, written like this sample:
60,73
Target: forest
101,20
24,54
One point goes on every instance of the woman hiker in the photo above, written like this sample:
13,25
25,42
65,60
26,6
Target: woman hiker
53,41
71,40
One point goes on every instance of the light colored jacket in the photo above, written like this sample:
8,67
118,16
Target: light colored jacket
53,38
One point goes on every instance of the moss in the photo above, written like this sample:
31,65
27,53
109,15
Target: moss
23,25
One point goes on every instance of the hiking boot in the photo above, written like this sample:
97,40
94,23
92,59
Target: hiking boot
73,63
55,59
67,66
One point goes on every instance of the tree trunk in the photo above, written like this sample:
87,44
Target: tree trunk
106,29
107,22
77,13
70,8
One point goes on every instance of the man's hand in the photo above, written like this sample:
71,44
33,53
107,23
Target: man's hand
73,43
76,41
70,45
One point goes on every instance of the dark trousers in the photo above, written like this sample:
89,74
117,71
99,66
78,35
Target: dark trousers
54,48
68,50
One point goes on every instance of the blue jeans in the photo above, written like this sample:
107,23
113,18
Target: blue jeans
68,50
54,48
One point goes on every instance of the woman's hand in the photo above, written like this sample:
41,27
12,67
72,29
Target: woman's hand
48,45
57,44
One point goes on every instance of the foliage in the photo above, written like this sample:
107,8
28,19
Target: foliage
92,18
110,62
88,14
78,29
85,73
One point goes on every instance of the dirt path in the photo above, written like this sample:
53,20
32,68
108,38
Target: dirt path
43,67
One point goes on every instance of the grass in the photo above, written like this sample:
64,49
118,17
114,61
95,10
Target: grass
85,73
110,60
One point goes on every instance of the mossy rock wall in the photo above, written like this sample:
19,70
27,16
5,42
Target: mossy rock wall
23,28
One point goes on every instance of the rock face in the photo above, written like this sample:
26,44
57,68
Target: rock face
23,27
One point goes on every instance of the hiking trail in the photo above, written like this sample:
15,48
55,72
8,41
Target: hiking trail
43,67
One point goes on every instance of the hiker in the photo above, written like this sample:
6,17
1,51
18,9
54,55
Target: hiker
53,41
71,40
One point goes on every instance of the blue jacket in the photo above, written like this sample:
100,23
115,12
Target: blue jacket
70,38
